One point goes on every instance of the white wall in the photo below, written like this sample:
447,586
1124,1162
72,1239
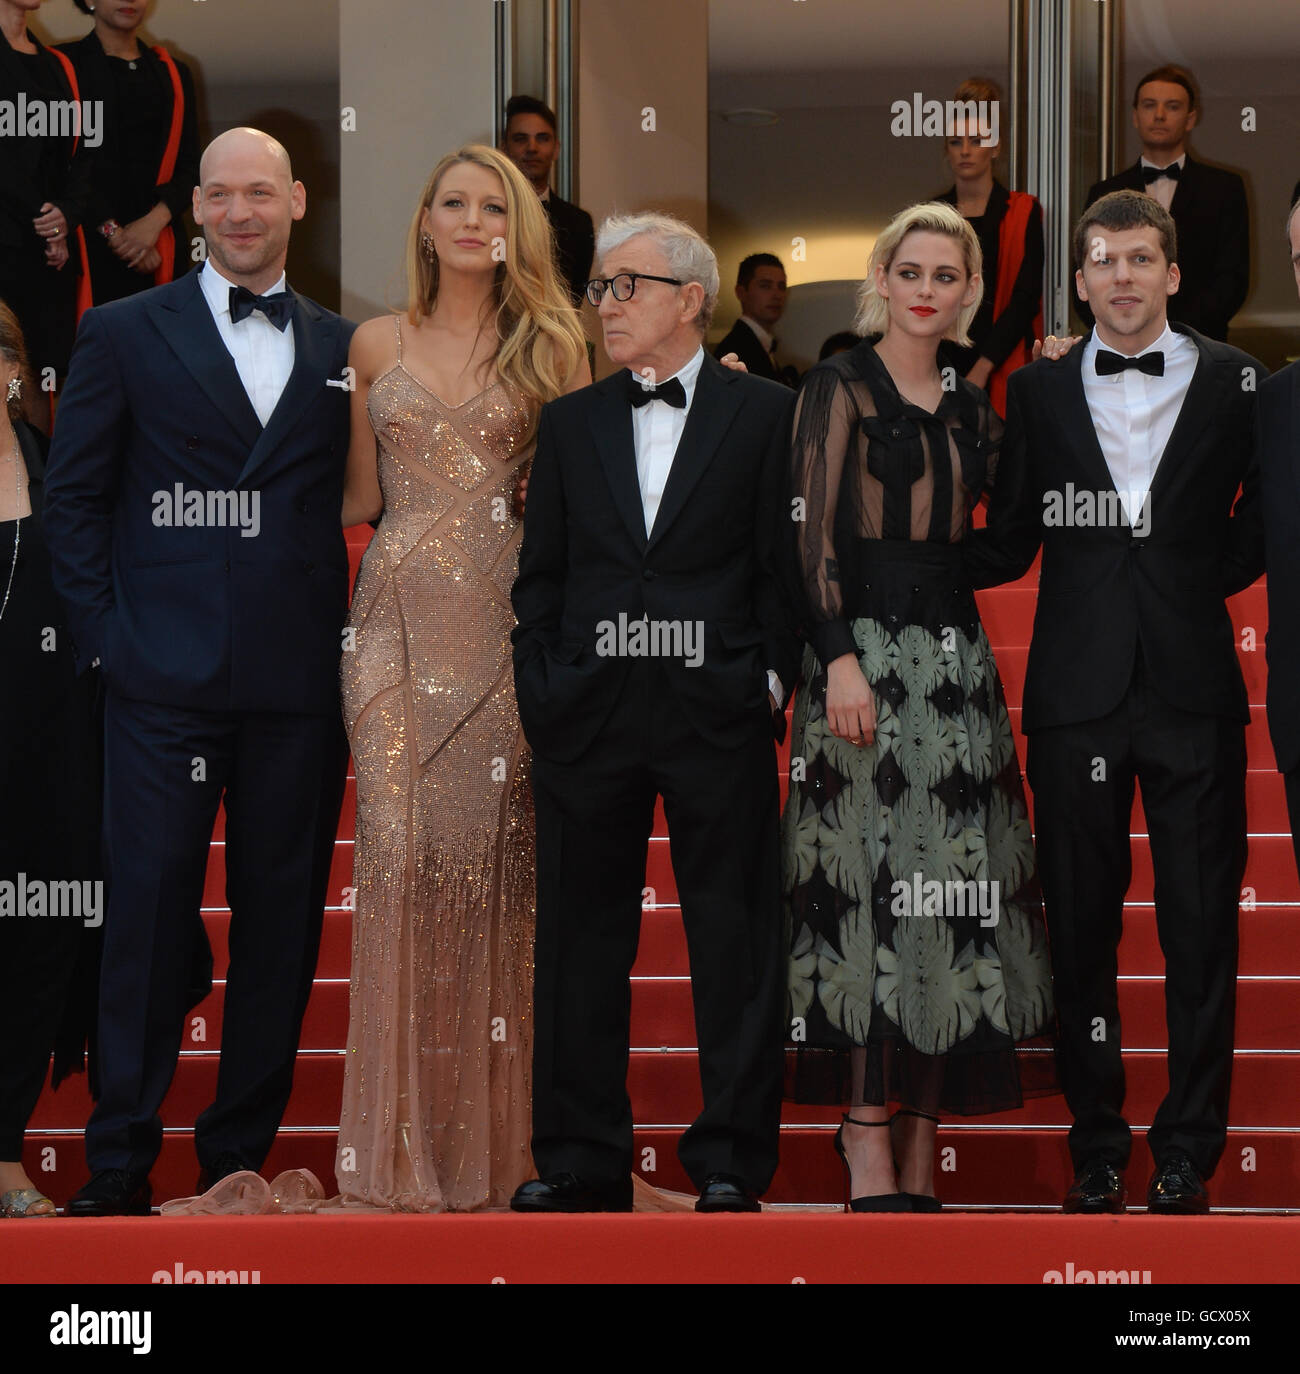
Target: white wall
631,57
419,75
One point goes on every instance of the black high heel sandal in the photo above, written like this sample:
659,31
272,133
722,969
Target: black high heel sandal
877,1202
918,1202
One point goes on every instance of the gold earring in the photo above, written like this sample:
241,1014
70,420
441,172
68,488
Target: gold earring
426,247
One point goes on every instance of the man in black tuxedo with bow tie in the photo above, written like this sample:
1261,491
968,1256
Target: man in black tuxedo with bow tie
194,500
761,291
652,657
1208,204
1124,460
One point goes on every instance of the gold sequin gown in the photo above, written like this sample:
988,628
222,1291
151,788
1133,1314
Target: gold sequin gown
437,1083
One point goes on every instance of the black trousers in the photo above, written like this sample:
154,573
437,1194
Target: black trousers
166,770
1192,770
594,819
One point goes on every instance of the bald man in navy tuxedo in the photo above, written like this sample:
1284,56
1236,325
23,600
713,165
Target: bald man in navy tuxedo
194,520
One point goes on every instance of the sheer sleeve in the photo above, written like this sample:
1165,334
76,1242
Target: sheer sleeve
1005,548
824,429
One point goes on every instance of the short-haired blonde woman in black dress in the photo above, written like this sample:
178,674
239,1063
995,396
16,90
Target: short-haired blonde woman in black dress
916,932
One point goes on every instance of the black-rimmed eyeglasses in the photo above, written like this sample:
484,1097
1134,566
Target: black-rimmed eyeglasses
623,286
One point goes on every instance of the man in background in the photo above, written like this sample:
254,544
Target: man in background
761,291
1208,204
532,143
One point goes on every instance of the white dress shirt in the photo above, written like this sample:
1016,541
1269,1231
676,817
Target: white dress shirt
262,353
1162,188
1134,414
656,432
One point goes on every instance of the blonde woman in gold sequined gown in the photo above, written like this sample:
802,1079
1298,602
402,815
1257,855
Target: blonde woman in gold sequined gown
436,1086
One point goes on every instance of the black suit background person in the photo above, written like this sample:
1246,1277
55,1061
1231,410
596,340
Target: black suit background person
45,190
761,291
531,141
1208,204
1133,677
655,514
219,642
140,195
1279,462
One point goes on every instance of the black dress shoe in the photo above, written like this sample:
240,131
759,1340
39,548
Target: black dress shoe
222,1167
727,1193
1098,1187
569,1193
1177,1188
112,1193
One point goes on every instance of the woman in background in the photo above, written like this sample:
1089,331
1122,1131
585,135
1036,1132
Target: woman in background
1009,226
45,183
147,166
49,793
911,776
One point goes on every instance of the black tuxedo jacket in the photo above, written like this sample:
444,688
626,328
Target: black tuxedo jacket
1104,593
744,343
201,616
575,243
712,557
1213,224
1279,461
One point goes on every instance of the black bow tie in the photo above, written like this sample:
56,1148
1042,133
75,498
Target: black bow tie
278,308
671,391
1108,364
1173,172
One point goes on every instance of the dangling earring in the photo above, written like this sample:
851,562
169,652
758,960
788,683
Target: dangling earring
426,247
15,389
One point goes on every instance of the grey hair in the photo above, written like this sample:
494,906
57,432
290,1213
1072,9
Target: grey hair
689,257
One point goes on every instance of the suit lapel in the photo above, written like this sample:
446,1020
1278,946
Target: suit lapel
183,318
1185,188
611,427
312,347
713,408
1194,415
1076,419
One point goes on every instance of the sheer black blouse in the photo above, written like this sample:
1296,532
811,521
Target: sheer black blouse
869,465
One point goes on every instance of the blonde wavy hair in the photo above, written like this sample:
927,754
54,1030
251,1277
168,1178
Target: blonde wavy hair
540,340
931,216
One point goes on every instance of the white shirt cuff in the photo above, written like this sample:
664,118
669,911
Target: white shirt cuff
774,686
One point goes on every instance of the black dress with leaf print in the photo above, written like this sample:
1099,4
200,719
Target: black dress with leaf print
914,919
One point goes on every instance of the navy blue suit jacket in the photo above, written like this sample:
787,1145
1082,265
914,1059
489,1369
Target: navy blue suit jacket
201,616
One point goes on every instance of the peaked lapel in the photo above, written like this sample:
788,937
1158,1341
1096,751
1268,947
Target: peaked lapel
713,407
1194,415
182,316
313,341
1070,405
611,427
1187,188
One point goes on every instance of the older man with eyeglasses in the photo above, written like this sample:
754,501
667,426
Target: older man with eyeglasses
652,657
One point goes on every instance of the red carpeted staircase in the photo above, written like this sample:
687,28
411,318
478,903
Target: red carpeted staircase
1017,1160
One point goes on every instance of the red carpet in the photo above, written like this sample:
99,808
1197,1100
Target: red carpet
1013,1160
782,1248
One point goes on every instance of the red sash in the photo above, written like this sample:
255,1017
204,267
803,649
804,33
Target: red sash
1011,254
84,301
167,168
